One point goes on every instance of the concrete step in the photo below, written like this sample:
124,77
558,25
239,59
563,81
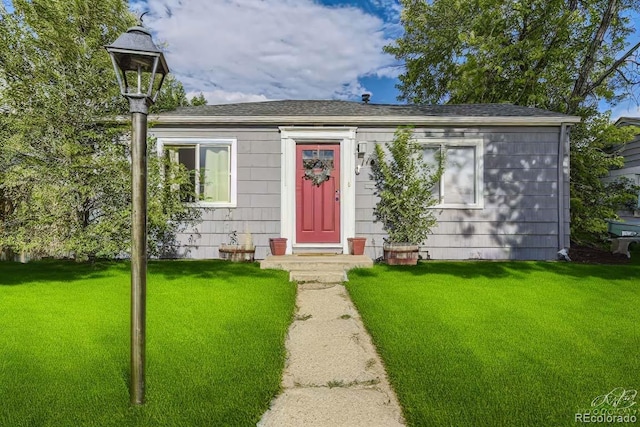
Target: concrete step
337,250
317,268
313,263
318,276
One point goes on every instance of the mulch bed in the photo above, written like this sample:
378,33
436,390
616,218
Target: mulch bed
590,255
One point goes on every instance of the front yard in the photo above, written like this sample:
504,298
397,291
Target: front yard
466,343
215,343
494,343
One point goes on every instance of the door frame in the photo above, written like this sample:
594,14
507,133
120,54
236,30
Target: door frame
290,136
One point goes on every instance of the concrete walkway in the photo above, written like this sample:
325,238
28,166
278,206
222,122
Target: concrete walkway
333,375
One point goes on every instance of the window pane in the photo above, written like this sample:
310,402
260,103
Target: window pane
215,174
459,176
430,156
638,183
326,156
185,156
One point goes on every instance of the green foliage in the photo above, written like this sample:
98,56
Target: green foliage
198,100
404,184
64,170
565,56
552,54
594,151
172,95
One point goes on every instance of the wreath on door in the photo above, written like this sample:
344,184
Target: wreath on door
317,171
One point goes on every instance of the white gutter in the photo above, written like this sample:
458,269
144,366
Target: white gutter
360,120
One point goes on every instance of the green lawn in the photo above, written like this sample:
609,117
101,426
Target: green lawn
215,343
502,344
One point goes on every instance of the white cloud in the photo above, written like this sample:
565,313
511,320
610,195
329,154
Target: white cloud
235,50
625,109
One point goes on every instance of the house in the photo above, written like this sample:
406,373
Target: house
301,170
631,169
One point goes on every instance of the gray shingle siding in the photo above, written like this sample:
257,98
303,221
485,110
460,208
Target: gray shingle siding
631,169
520,215
631,154
258,206
519,219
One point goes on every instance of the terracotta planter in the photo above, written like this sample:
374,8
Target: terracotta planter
400,253
278,246
356,245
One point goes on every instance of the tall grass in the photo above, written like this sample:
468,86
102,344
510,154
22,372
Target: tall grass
215,343
502,344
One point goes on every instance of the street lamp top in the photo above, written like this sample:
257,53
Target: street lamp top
136,48
135,53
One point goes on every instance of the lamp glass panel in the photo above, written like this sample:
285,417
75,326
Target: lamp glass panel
135,85
141,85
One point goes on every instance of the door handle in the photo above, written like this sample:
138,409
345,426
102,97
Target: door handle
337,195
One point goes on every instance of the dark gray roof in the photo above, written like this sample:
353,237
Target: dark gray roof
293,108
628,121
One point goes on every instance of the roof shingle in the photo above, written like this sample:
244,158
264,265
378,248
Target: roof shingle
310,108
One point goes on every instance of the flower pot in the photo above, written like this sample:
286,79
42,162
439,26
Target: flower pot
400,253
278,245
356,245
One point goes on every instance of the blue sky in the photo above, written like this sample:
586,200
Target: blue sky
252,50
256,50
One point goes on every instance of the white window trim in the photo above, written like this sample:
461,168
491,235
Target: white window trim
478,144
228,142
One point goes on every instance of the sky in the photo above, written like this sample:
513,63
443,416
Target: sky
258,50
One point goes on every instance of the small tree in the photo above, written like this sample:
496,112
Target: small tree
404,183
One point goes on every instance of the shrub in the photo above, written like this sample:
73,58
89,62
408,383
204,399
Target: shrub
404,183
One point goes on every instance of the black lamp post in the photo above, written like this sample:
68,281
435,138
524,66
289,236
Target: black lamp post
140,68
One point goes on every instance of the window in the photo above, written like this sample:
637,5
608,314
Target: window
461,182
212,168
638,183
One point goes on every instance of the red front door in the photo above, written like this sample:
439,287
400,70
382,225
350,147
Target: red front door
318,193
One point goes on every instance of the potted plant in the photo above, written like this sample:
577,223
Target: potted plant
278,245
404,184
356,245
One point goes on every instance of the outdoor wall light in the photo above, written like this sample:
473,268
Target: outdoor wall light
361,154
140,68
362,149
